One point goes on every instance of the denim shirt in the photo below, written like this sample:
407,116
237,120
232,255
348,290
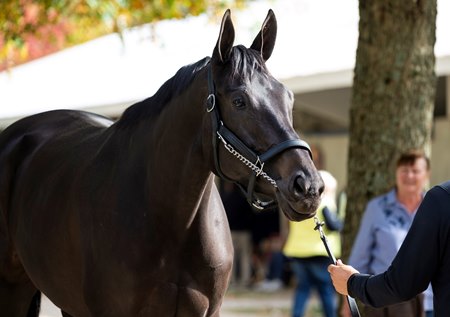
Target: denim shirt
383,228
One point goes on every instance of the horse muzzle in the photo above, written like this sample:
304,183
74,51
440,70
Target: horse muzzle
300,197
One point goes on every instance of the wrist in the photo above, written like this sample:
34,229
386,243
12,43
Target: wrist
350,282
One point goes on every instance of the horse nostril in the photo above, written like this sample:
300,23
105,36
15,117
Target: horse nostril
304,186
321,188
301,185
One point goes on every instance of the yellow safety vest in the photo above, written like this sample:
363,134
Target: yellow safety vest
303,241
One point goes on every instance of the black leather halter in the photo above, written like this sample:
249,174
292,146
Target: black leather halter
238,148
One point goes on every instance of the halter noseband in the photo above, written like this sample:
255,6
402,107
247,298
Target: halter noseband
235,146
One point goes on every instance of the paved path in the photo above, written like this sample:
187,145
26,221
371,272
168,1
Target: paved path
238,303
242,303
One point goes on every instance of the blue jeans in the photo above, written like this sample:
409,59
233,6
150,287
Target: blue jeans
312,272
276,265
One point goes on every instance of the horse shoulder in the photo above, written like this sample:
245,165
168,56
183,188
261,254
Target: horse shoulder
215,230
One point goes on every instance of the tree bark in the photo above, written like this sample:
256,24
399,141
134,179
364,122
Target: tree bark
393,98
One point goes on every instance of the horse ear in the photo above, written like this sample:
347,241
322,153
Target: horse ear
265,40
225,41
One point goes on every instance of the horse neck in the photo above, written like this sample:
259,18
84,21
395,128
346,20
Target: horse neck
170,146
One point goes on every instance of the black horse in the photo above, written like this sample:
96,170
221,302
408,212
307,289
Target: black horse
124,219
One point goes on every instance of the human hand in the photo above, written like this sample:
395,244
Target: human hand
340,273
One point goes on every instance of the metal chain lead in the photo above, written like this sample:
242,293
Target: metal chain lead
258,170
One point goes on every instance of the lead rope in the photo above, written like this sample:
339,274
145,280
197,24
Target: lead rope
350,300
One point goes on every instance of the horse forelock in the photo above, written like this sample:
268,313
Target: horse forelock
152,106
244,62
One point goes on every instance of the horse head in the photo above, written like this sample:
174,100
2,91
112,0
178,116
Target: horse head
255,143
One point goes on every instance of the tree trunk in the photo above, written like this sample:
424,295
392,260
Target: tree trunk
393,98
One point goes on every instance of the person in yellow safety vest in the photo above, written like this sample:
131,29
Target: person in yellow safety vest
308,257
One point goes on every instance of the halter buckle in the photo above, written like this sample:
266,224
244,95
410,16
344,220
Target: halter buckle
211,99
257,205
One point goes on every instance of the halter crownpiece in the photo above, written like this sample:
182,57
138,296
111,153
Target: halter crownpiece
247,156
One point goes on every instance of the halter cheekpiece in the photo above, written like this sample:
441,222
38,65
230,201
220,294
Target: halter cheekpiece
247,156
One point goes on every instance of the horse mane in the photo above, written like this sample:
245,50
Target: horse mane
153,105
243,61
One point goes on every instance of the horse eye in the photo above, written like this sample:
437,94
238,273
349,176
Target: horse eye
238,102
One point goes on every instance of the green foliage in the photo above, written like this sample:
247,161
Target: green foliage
33,28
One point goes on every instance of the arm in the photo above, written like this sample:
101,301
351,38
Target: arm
413,267
332,222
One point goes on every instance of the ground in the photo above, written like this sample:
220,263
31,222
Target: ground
240,303
249,303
